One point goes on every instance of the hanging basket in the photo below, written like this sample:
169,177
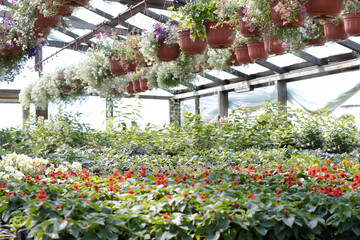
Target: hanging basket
64,10
334,32
76,3
190,47
116,66
245,31
352,24
167,53
257,51
320,41
323,9
144,84
273,47
9,52
42,21
242,54
41,32
279,22
219,37
136,86
233,58
132,66
130,88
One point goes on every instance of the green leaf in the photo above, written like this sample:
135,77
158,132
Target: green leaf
289,220
261,230
74,231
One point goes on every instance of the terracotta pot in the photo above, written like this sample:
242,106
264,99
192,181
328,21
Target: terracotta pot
352,24
166,53
276,17
272,47
42,21
116,67
257,51
197,68
64,10
132,66
317,42
334,32
43,31
130,88
190,47
219,37
322,9
245,31
144,84
7,52
242,54
76,3
233,59
136,86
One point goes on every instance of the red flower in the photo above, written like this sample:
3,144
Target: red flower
41,195
202,196
96,187
131,191
186,194
286,212
76,187
230,217
251,195
57,207
165,215
236,205
206,173
278,191
65,219
148,190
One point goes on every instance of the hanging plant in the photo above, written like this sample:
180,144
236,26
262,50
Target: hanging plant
163,39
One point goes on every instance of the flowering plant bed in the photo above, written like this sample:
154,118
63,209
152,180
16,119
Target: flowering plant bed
215,202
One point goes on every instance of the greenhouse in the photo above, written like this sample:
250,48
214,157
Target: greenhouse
174,119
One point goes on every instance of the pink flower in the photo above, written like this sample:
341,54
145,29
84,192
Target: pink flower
283,45
252,29
293,2
98,35
303,8
244,10
247,24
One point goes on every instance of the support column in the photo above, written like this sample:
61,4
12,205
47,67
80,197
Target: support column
281,93
25,113
223,101
175,111
109,112
42,113
197,105
39,68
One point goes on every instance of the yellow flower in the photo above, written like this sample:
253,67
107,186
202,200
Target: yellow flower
346,163
355,167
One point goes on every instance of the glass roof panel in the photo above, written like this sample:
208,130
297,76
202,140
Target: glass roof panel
59,36
330,49
200,80
112,8
355,39
287,59
251,68
142,21
221,74
88,16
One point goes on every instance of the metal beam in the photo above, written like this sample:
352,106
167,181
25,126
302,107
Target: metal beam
159,4
350,44
300,74
237,73
215,79
311,58
271,66
223,104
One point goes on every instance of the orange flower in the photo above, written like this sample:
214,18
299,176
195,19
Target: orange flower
96,187
165,215
186,194
251,195
131,191
76,187
202,196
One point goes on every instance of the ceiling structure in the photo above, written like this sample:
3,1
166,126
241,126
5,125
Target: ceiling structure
132,16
